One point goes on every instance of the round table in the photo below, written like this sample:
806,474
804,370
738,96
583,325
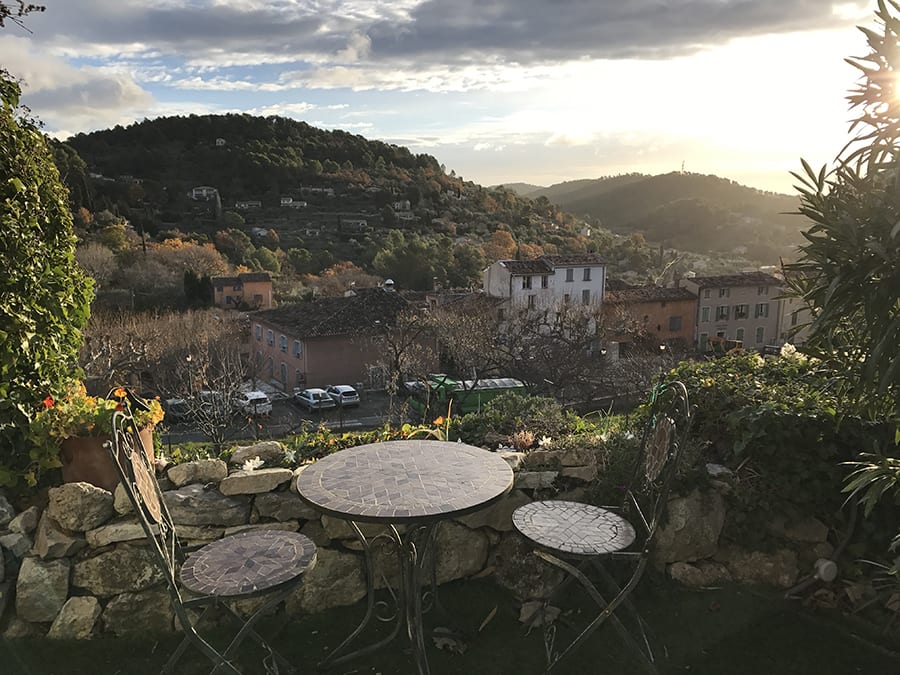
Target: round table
415,483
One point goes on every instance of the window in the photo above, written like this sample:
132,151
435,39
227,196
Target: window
674,323
739,335
283,375
531,302
587,274
704,314
282,343
526,282
762,310
545,282
299,378
762,290
228,300
258,330
567,298
586,296
270,338
570,274
724,292
703,339
794,317
501,314
720,334
722,313
741,311
706,293
298,348
760,335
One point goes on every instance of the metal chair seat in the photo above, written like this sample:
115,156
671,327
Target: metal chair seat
574,528
588,535
243,565
247,562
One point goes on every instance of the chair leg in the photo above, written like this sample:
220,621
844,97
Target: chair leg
628,604
607,610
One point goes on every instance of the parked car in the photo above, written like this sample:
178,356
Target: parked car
254,403
176,409
343,394
314,399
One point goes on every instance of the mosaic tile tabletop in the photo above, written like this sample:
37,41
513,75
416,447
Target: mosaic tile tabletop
405,481
571,527
248,562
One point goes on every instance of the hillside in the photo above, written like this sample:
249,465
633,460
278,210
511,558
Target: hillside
687,211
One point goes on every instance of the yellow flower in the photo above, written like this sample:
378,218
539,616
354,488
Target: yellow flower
438,422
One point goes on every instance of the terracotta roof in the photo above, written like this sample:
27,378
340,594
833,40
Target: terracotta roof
739,279
574,259
243,277
547,263
617,285
648,294
370,310
536,266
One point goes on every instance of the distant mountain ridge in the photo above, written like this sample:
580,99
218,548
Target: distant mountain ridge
686,211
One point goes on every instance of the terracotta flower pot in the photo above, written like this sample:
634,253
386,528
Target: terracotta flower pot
84,459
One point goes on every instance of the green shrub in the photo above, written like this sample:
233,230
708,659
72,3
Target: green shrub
514,412
44,296
775,422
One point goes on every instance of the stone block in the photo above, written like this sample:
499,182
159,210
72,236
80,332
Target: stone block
76,619
142,613
193,505
535,480
26,522
271,452
126,529
16,543
585,474
284,506
336,580
700,575
41,589
692,529
80,506
122,570
7,512
286,526
254,482
53,541
200,471
497,517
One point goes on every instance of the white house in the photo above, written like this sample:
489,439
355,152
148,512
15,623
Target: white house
548,280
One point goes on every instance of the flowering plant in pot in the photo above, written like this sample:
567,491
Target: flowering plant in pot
69,432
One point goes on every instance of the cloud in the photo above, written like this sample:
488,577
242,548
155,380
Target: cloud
66,96
420,32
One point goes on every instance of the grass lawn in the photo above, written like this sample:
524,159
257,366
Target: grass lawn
729,630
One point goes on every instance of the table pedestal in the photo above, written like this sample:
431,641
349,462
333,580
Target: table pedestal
415,553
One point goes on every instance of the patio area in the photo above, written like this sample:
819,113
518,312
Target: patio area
727,630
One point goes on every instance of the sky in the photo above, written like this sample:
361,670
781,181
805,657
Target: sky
501,91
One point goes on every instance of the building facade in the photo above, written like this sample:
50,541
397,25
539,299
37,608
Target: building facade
665,315
547,281
342,340
743,307
248,290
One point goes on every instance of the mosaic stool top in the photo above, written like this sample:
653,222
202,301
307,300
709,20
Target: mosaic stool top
572,527
248,562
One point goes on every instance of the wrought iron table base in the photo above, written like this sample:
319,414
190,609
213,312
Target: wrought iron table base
415,552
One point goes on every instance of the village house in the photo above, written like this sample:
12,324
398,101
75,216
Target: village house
203,192
665,315
742,307
247,290
548,280
341,340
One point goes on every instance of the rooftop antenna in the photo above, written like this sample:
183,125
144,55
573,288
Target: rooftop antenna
682,167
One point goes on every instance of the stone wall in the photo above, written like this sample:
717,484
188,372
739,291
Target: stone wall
77,564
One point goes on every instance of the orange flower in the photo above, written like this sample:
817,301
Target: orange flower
48,402
439,421
119,393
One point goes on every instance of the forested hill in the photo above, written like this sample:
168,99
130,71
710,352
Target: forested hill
247,157
686,211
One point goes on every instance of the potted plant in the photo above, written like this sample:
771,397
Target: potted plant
69,432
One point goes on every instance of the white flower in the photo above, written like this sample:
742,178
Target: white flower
545,441
252,464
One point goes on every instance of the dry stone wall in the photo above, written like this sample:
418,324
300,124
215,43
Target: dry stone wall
79,566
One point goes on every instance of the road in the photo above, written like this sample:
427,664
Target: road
288,418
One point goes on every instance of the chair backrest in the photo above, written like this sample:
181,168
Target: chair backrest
138,477
662,441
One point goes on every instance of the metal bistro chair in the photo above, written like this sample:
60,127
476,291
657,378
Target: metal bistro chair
588,535
240,566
